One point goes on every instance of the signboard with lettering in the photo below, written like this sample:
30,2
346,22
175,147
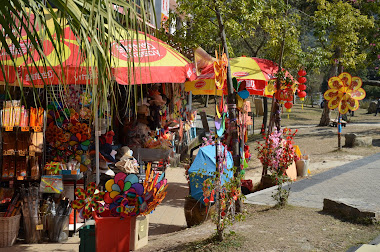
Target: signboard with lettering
164,11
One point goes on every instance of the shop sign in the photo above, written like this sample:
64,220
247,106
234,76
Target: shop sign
250,84
200,84
142,51
164,11
240,74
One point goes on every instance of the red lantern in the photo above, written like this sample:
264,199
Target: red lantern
302,80
302,95
301,72
288,106
302,87
288,94
280,95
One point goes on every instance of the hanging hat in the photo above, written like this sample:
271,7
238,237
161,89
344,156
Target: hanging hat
124,153
144,102
157,100
105,152
143,109
127,166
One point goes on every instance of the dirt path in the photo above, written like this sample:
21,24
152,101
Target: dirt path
270,229
292,228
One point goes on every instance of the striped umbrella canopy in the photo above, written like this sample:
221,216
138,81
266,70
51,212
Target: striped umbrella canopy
63,62
154,61
255,72
140,59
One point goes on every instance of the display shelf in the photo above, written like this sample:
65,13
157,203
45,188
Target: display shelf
19,153
72,177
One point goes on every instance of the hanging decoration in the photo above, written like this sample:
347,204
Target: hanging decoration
67,135
220,70
301,87
288,106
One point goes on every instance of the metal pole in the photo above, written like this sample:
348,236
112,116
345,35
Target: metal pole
97,134
339,132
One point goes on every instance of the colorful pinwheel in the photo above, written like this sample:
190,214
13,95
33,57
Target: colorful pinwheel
344,93
88,200
125,196
220,69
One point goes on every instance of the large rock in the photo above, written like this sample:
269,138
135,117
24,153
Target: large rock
353,140
352,209
372,107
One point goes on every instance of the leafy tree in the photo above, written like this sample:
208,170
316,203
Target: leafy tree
337,26
253,28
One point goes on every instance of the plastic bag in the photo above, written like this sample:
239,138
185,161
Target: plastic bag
51,184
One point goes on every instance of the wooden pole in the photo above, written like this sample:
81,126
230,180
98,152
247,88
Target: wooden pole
232,130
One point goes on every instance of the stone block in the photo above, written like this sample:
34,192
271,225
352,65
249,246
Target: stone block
353,140
372,107
352,209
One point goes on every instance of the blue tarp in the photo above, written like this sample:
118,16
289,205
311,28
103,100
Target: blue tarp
204,163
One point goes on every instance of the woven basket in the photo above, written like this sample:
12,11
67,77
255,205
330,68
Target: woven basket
9,227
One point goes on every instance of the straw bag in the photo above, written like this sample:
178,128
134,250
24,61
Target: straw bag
9,227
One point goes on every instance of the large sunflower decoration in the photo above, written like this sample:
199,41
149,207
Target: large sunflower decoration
345,93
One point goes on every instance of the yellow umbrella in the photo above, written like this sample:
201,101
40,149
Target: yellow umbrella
255,71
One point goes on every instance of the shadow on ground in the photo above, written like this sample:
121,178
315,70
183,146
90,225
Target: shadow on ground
176,195
158,229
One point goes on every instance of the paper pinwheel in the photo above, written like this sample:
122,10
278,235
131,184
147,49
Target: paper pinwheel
88,200
125,196
53,167
220,69
154,190
344,93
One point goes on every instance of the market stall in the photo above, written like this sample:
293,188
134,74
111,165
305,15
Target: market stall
69,140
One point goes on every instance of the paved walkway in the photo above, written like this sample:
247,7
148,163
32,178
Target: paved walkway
356,180
169,216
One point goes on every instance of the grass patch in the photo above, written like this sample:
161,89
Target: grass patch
231,242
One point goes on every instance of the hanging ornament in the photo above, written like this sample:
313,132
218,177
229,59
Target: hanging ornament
302,87
280,95
301,95
302,80
301,72
288,94
288,106
220,70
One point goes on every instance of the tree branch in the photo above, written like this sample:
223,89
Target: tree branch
375,83
249,46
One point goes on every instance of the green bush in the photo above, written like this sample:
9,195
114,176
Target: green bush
372,92
364,104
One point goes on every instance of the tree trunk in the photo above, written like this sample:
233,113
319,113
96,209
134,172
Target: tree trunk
206,102
232,130
265,117
325,118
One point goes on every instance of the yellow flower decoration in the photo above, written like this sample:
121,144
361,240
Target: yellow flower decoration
344,93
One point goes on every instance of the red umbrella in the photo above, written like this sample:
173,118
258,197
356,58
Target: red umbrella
255,72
